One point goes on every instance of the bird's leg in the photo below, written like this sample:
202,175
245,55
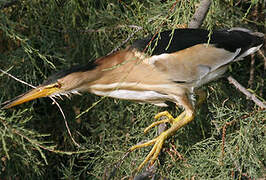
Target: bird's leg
176,123
201,98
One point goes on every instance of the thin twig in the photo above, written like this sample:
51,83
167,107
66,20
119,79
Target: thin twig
66,124
262,55
54,101
13,77
103,30
251,72
223,141
251,75
138,28
252,62
246,92
117,165
264,72
158,30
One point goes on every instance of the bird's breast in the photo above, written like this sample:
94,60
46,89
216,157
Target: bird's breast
134,95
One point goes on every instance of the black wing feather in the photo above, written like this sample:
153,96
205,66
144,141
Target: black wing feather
181,39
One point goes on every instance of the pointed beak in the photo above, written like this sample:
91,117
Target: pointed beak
41,91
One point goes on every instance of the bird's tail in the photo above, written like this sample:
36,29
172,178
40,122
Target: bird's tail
254,41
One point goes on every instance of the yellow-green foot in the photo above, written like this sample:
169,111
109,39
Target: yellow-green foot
158,142
154,153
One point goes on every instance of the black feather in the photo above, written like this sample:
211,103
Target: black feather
181,39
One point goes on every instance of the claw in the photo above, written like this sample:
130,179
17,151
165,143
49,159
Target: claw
169,119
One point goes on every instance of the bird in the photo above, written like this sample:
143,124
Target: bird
170,66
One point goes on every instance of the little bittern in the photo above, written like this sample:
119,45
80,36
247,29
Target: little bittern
181,61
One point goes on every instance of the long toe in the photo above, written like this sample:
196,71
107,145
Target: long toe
155,151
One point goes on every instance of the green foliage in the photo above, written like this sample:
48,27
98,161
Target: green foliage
37,38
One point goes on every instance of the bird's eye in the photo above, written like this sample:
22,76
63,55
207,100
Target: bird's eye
58,85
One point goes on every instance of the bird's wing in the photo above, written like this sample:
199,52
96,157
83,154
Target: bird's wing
192,64
187,55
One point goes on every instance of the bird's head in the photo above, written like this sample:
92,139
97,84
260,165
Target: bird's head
64,83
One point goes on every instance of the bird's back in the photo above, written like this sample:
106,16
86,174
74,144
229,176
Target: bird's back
172,41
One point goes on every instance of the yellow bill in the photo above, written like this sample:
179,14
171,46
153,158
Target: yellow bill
41,91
